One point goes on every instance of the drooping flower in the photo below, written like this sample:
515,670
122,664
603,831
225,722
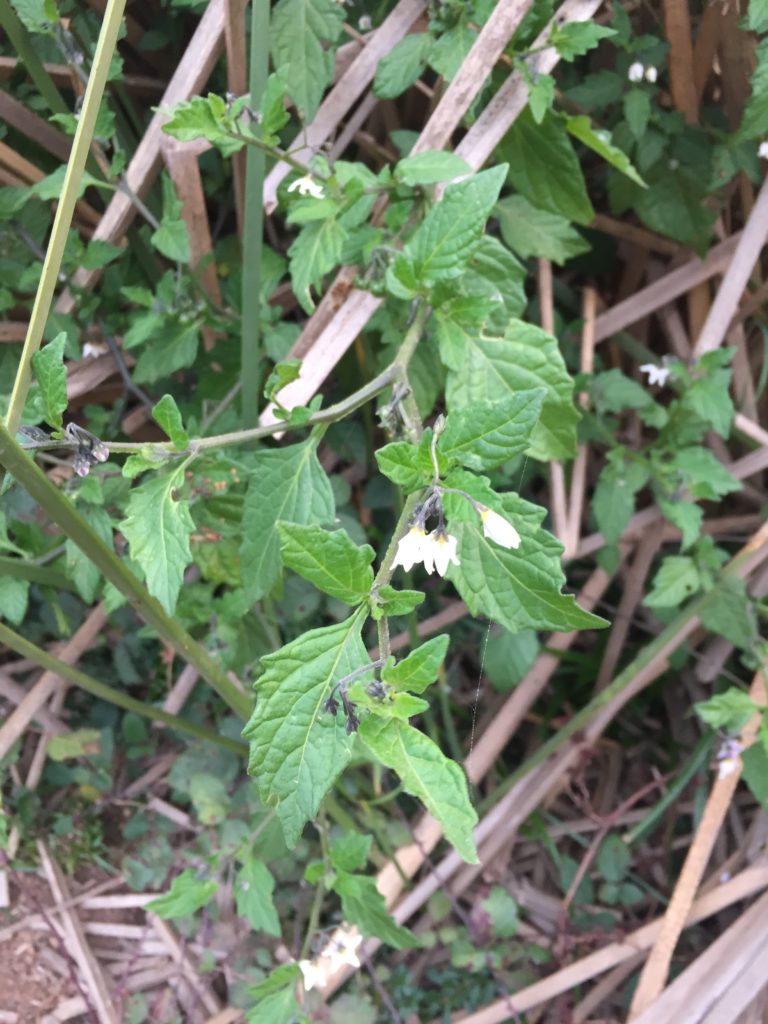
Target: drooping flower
343,949
635,72
656,374
410,548
440,551
315,972
651,74
307,186
498,529
762,149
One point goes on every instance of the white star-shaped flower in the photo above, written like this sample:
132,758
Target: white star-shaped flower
315,973
635,72
343,950
91,349
307,186
656,374
498,529
410,548
439,552
762,149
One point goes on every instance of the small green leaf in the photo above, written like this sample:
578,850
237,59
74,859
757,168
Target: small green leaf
730,710
703,474
166,414
363,905
405,62
287,485
274,115
388,602
350,851
157,527
315,251
419,670
187,894
48,364
430,166
274,999
298,30
198,118
441,246
576,38
613,501
78,743
488,434
427,774
282,374
329,560
297,748
530,231
84,574
637,111
254,886
541,93
686,516
730,612
757,16
676,580
545,169
613,859
600,142
172,237
502,909
399,461
14,599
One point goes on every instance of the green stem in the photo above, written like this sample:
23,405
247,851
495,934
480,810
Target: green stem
253,226
23,570
317,902
69,194
25,51
63,512
107,693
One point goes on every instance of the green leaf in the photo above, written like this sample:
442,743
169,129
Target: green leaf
419,670
757,16
518,588
315,251
545,169
329,560
729,612
350,851
637,111
274,116
157,527
613,501
709,399
508,656
287,485
51,375
502,910
451,48
525,358
282,374
613,859
297,749
254,886
210,798
686,516
363,905
388,602
298,30
431,166
488,434
80,569
399,69
494,273
187,894
541,93
199,118
166,414
576,38
443,243
600,141
676,580
14,599
427,774
172,237
703,474
673,206
730,710
407,465
274,999
78,743
533,232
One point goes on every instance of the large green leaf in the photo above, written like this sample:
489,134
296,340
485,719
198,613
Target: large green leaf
399,69
419,670
157,527
288,485
297,749
544,167
488,434
329,560
298,29
443,243
524,358
534,232
427,774
316,250
519,588
362,904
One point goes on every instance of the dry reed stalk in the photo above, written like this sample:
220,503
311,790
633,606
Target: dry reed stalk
43,134
579,471
182,961
237,84
654,974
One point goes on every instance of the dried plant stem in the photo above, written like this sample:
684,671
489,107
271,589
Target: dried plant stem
579,472
654,974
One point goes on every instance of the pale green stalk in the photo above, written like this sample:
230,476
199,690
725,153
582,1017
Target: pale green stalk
61,510
53,258
48,661
253,226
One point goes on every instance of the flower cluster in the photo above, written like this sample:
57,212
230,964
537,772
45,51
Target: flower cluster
637,72
340,952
